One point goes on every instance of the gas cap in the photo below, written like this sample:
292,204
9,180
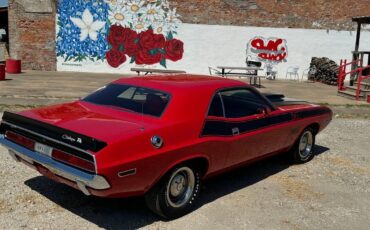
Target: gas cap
157,142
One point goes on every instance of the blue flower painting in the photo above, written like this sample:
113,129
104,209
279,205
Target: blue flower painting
82,30
117,33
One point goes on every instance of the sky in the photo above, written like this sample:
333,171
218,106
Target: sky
3,3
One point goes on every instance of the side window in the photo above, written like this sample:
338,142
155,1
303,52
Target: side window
241,103
215,108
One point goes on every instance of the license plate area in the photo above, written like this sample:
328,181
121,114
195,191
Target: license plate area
43,149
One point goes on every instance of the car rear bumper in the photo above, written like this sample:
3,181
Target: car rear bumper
82,179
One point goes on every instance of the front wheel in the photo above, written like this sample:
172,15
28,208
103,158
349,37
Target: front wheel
302,151
175,195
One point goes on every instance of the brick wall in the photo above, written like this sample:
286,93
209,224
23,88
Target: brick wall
32,23
32,34
318,14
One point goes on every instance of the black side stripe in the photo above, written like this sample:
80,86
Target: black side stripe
224,128
312,113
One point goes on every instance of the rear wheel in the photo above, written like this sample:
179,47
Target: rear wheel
175,195
302,151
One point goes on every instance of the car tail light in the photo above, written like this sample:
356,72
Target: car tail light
56,154
73,160
21,140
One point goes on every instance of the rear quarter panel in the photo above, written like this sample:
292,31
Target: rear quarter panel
151,163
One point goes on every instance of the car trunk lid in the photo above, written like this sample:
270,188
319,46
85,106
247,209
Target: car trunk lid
73,124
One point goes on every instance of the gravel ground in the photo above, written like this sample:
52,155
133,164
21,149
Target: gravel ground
330,192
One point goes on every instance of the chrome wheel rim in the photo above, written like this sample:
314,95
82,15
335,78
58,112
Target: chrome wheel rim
180,187
305,145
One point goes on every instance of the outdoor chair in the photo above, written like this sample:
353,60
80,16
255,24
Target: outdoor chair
292,71
271,72
309,72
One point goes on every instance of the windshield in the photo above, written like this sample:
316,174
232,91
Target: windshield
132,98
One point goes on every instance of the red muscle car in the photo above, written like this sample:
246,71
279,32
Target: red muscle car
160,136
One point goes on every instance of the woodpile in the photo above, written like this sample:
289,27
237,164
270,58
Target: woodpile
323,70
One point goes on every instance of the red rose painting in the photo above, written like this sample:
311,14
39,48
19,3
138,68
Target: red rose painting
115,58
149,40
144,57
116,35
143,48
174,49
130,45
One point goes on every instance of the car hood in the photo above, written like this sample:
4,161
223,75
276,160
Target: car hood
87,119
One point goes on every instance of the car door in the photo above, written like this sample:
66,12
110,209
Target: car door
249,125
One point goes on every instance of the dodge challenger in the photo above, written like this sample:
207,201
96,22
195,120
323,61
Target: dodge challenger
160,136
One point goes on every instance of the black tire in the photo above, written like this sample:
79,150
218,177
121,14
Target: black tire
302,150
161,200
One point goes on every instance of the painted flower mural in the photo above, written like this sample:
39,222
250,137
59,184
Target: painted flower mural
71,43
88,27
118,32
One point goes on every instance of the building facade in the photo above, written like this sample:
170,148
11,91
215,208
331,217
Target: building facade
113,36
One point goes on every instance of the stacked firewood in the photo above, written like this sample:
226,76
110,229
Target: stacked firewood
323,70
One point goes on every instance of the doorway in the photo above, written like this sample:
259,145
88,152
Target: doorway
4,34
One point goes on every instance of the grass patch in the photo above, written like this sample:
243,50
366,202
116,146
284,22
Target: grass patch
366,106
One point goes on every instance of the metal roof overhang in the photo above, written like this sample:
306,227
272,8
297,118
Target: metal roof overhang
362,19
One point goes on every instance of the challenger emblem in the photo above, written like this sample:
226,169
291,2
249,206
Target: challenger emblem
71,139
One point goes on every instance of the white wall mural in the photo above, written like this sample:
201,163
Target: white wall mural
85,44
117,33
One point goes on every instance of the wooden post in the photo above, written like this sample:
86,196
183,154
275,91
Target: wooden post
340,75
358,35
355,54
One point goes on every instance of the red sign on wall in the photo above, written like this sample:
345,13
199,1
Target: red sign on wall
270,49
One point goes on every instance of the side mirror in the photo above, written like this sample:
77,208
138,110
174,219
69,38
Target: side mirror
262,110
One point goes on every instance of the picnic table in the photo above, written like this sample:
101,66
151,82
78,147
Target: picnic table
147,71
250,72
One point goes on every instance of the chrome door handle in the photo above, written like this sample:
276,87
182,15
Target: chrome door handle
235,131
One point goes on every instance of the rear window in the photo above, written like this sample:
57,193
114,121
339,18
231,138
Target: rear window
132,98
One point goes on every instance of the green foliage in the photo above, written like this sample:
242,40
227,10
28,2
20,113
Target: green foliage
170,36
163,63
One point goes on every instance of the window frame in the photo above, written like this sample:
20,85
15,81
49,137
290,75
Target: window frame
218,92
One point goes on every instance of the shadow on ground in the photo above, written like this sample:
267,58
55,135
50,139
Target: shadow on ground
132,213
